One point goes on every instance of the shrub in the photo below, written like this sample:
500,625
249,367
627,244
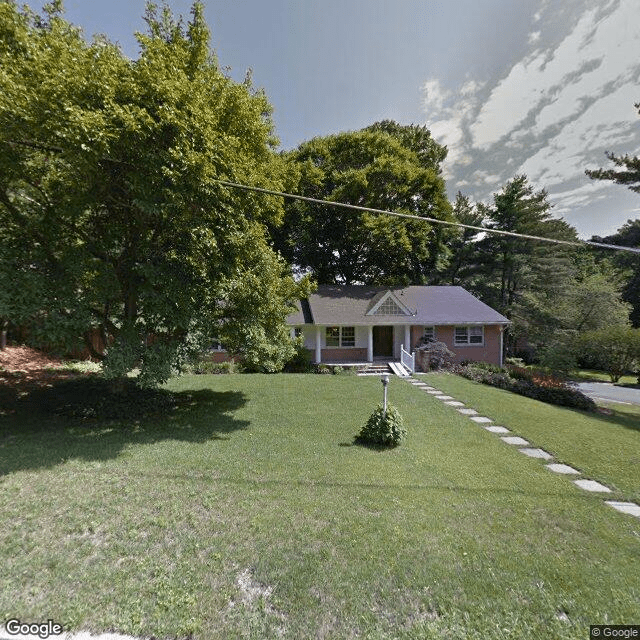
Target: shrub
301,361
322,369
210,367
344,371
383,429
516,362
532,384
434,355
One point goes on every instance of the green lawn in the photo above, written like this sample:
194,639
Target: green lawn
591,375
250,514
603,447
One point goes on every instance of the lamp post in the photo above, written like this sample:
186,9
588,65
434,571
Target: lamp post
385,381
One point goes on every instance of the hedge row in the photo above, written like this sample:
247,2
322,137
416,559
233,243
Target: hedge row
548,390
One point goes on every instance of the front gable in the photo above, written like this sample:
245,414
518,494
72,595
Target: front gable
388,304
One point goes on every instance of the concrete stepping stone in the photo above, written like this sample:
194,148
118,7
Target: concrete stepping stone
497,429
625,507
592,485
562,468
481,419
516,440
435,392
536,453
454,403
444,397
468,412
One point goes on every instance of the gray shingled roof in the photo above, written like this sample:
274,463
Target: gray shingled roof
348,305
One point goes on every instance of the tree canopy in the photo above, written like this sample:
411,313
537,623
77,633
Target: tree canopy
111,216
385,166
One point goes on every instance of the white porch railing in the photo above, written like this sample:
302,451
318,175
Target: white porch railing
407,359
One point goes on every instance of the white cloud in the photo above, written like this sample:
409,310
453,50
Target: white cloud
553,113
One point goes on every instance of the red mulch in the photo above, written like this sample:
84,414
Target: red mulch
23,369
25,359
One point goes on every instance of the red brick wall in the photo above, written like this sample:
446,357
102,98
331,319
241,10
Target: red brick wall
345,354
488,352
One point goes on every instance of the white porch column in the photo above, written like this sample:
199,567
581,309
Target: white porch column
292,333
370,343
407,338
318,345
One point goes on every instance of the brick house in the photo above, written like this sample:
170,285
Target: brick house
352,324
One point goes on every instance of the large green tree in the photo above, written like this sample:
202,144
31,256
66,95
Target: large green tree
385,166
111,216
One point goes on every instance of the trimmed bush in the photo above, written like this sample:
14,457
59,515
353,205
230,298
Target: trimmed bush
383,430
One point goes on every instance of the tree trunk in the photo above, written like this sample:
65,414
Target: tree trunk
4,325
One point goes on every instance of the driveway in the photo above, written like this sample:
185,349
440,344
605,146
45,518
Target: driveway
609,392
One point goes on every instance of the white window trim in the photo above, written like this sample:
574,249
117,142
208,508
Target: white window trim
403,307
340,337
424,331
468,343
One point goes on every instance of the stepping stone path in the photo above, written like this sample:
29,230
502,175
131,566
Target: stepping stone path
592,485
536,453
562,468
496,429
514,440
525,448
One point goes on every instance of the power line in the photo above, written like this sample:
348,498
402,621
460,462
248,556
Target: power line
572,243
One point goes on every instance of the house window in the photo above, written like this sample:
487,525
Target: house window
468,335
297,332
216,346
389,308
429,334
341,336
348,337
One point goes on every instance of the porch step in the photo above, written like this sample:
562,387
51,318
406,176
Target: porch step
374,370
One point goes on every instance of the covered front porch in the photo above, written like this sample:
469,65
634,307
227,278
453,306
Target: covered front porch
357,345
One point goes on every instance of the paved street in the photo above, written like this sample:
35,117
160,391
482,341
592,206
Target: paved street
609,392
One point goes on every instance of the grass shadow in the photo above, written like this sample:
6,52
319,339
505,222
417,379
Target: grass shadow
31,437
621,415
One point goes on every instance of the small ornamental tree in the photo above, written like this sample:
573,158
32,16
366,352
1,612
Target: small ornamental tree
615,350
384,429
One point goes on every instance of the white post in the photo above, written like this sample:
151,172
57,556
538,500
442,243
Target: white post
369,343
318,345
292,333
407,338
385,382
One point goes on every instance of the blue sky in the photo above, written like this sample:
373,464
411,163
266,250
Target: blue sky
541,87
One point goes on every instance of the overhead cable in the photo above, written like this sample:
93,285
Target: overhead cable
344,205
